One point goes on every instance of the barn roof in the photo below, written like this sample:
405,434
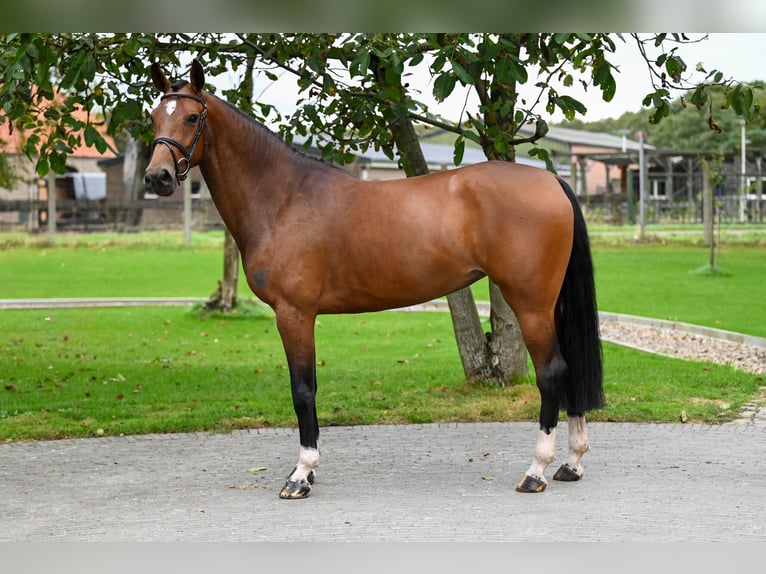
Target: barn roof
12,140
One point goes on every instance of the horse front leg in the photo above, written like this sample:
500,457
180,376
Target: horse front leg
297,332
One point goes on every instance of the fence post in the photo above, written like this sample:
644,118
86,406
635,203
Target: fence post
641,186
707,204
51,180
187,210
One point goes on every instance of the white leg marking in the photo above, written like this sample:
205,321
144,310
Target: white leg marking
578,442
170,107
545,450
308,459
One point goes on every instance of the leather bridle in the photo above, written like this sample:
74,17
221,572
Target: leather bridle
183,164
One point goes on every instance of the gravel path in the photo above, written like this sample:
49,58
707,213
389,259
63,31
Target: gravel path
685,345
676,340
668,338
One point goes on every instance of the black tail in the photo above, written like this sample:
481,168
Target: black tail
578,329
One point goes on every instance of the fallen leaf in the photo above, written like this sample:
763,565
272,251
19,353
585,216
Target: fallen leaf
247,486
256,469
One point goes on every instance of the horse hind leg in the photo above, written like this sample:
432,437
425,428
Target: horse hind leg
552,372
550,378
550,369
572,470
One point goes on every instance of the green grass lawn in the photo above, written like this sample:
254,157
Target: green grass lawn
80,372
659,281
654,279
85,372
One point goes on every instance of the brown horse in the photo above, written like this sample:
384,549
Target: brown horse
315,240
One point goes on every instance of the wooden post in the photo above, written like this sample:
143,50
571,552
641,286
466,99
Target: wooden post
51,206
707,205
641,186
759,190
631,195
187,211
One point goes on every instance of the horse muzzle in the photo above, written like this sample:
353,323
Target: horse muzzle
160,181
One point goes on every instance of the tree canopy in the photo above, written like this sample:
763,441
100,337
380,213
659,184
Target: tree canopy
356,93
685,127
355,86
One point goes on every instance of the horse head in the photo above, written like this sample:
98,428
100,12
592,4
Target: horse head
179,126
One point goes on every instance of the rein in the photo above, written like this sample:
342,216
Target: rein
187,154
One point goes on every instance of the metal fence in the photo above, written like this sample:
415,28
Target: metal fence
104,215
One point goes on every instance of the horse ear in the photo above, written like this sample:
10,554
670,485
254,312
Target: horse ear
197,76
160,81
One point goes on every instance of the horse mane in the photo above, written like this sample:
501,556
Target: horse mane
277,138
180,84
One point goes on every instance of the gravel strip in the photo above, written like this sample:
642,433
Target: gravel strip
673,342
684,345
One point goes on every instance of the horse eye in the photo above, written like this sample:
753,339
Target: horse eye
193,119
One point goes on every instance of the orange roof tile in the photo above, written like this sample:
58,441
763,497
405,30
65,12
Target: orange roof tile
12,140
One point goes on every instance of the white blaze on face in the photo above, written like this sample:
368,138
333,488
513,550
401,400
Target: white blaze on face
170,107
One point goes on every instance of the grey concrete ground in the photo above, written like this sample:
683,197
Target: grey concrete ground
643,482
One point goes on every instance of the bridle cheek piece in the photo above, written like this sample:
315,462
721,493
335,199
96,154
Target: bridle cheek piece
183,164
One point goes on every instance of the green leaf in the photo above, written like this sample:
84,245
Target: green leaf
462,74
502,70
675,66
443,86
518,71
91,135
569,103
42,167
459,150
473,136
360,64
256,469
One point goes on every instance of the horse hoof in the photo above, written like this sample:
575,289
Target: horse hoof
297,488
294,489
567,473
531,484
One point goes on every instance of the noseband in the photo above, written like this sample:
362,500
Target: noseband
183,164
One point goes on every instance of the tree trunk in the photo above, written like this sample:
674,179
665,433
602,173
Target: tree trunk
499,356
469,335
225,297
507,352
133,169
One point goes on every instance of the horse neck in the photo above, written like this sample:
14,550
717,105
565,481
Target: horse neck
250,172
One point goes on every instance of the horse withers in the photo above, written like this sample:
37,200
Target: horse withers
315,240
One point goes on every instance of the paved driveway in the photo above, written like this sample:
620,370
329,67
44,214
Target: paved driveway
643,482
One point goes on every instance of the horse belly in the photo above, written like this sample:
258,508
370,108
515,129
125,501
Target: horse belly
386,282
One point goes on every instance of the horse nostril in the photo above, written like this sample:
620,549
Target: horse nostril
165,177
